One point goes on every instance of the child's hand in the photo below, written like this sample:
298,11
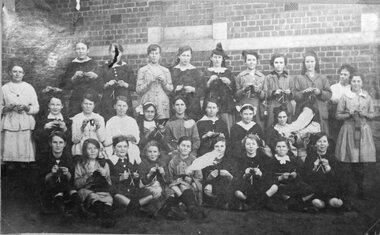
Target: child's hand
287,91
225,173
316,91
124,176
111,82
136,175
189,89
77,74
225,80
90,74
214,173
97,124
65,170
278,91
188,171
54,169
179,87
316,164
285,176
257,171
49,125
152,170
188,179
122,84
293,174
208,134
248,170
102,171
161,170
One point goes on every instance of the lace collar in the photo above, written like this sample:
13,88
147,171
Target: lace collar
205,118
184,68
283,159
55,117
217,70
76,60
248,126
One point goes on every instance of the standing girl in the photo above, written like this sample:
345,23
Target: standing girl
210,126
250,85
313,88
181,125
19,104
355,143
221,85
93,181
154,83
278,87
80,77
118,79
122,124
188,82
87,124
244,127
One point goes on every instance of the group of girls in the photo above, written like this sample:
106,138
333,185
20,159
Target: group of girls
165,157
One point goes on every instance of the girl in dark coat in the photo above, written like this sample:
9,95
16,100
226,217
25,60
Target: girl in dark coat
254,184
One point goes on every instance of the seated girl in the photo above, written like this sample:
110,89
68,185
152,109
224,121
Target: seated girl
150,128
122,124
217,169
244,127
286,173
93,181
126,177
87,124
57,171
254,185
321,170
155,175
186,183
180,125
210,126
49,122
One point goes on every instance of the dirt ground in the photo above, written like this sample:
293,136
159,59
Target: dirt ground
21,214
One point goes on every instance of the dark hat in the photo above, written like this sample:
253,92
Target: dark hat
219,51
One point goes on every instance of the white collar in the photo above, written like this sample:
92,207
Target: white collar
118,65
246,126
352,94
149,124
76,60
184,68
217,70
283,159
56,117
205,118
114,159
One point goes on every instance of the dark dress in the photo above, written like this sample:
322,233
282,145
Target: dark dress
129,187
153,133
41,135
80,85
190,77
238,132
118,72
325,184
253,186
271,135
57,183
220,91
221,185
205,125
294,187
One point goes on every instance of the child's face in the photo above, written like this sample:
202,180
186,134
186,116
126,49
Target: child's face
154,56
211,109
185,57
216,60
247,116
322,144
121,108
82,50
220,147
310,63
57,145
251,146
279,64
179,107
17,73
149,113
88,106
153,153
356,83
55,106
52,60
92,151
344,76
185,148
282,118
251,61
121,149
282,148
